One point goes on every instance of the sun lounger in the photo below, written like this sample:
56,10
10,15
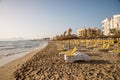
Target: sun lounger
75,55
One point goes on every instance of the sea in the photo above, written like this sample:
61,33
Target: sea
8,49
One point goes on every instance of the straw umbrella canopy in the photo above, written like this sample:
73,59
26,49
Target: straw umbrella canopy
70,37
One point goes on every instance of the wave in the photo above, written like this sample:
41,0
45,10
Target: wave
8,48
2,46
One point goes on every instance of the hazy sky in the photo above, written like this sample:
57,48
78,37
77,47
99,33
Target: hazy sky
47,18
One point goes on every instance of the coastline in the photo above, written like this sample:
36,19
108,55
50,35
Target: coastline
47,64
17,53
8,69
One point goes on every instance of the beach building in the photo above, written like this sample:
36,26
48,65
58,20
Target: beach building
110,23
81,32
88,32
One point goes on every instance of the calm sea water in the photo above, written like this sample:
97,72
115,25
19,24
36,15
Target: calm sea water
8,48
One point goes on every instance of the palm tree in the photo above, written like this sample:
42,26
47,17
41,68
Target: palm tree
69,31
113,31
65,33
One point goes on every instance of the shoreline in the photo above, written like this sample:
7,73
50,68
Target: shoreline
7,59
47,64
8,69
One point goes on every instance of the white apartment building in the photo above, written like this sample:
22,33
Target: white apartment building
110,23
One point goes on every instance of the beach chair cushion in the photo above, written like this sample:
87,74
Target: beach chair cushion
70,53
76,56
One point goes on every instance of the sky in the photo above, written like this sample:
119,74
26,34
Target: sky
48,18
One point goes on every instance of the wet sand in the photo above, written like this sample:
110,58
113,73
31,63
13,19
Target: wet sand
7,70
47,64
11,57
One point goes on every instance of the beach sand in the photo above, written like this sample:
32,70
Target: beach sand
7,70
47,64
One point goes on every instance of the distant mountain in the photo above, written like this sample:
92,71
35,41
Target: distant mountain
13,39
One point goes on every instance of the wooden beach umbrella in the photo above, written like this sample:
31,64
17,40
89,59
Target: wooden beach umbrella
69,38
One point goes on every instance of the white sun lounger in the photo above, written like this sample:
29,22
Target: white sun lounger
76,56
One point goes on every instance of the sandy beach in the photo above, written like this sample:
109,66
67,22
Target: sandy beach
82,39
10,65
47,64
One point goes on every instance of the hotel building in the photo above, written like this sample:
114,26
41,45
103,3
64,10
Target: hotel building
110,23
88,32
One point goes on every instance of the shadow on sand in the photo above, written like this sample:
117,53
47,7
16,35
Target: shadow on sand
94,54
93,62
